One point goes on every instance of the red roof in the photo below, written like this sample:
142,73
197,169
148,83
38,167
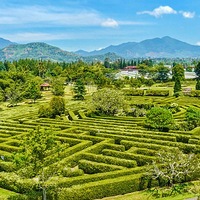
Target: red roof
130,68
45,85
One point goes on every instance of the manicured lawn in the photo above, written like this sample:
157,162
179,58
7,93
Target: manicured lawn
143,195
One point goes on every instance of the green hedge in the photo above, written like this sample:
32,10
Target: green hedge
13,182
90,167
105,188
82,115
72,116
110,160
68,172
6,166
195,93
132,92
140,159
157,93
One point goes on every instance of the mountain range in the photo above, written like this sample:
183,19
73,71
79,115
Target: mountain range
165,47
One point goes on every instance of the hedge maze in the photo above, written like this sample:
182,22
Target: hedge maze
106,156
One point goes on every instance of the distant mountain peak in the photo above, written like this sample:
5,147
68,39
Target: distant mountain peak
4,43
165,47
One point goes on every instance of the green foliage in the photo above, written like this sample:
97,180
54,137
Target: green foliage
55,107
174,166
79,90
33,158
132,92
149,82
57,104
135,83
197,70
198,85
178,73
14,94
152,92
119,83
57,87
33,90
45,111
195,93
108,101
193,117
159,118
90,167
162,72
177,86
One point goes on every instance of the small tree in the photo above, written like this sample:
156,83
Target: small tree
159,118
14,94
198,85
119,84
177,86
79,90
173,166
57,87
57,104
135,83
32,159
149,82
33,91
108,101
192,117
178,72
197,70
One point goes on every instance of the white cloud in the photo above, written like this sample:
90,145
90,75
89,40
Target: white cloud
35,37
198,43
110,23
187,14
157,12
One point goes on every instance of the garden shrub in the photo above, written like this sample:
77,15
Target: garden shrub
157,93
159,118
132,92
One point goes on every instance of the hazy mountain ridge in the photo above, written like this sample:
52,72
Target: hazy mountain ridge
157,48
44,51
4,43
165,47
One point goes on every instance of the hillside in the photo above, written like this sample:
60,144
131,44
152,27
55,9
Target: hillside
47,52
36,51
4,43
165,47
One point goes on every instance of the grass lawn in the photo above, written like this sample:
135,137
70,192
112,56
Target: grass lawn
5,193
143,195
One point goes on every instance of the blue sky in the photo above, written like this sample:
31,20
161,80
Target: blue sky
94,24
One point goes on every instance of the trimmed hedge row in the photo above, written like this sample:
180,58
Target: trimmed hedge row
144,134
105,188
132,92
156,147
195,93
68,182
82,137
13,182
140,159
110,160
91,167
6,166
143,151
157,93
